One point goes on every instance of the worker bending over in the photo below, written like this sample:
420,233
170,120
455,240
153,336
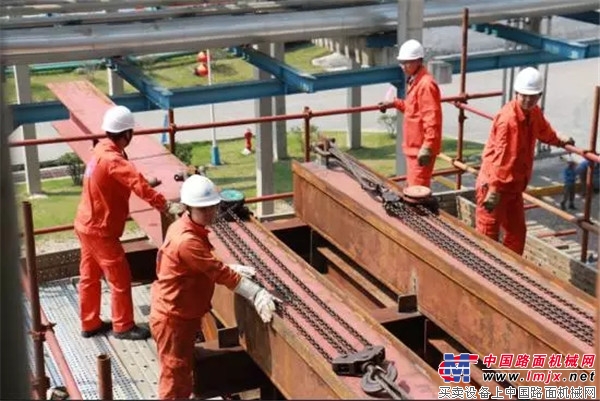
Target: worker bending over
422,108
187,271
107,184
507,161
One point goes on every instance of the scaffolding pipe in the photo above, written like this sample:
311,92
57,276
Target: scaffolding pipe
40,381
307,116
230,123
589,177
463,89
561,233
104,377
57,355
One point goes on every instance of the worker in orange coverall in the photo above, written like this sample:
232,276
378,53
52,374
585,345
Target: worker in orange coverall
507,162
187,271
422,110
108,182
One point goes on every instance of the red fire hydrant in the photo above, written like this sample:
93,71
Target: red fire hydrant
248,138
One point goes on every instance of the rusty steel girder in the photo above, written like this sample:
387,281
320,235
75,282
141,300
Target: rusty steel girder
288,359
482,317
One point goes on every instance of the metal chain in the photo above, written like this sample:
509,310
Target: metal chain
299,282
233,242
424,222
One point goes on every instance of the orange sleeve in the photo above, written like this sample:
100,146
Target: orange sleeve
431,114
399,104
124,172
546,133
502,159
195,254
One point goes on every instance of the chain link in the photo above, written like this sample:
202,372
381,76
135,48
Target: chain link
424,221
243,253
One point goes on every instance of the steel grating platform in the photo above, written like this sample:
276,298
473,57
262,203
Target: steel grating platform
134,364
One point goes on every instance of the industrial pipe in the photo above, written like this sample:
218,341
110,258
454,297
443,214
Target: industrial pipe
589,177
41,382
104,377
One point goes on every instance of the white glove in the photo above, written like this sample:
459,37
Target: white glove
246,271
174,208
263,301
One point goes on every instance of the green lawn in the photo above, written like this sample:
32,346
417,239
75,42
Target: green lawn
237,171
173,73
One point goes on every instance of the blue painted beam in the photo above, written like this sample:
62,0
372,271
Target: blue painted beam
386,39
287,74
365,76
494,60
591,17
568,49
156,94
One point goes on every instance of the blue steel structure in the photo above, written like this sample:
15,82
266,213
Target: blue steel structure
288,80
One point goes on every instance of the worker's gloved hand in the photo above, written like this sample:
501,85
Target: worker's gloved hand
175,208
383,106
263,301
491,201
566,140
246,271
154,182
424,156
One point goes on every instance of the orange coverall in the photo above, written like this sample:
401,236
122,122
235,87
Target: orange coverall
506,167
187,271
422,110
108,181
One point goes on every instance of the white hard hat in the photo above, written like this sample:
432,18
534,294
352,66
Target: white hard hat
118,119
411,50
529,82
199,191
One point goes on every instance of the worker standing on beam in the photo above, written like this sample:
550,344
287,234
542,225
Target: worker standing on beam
108,182
187,271
422,110
507,161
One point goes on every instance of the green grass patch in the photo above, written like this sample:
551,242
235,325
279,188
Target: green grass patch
237,172
177,72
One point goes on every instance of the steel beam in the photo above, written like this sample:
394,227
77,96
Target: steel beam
220,93
569,49
132,73
287,74
494,60
290,361
590,17
483,318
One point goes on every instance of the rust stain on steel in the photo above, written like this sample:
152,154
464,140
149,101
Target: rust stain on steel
289,360
483,318
87,105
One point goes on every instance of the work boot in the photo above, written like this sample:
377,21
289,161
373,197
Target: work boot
572,206
134,333
562,205
104,328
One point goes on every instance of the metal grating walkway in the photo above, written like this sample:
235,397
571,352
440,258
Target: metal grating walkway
134,363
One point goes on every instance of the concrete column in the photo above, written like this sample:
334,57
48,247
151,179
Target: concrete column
115,83
279,127
32,160
264,145
410,26
353,99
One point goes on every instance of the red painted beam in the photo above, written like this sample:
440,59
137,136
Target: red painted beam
87,106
